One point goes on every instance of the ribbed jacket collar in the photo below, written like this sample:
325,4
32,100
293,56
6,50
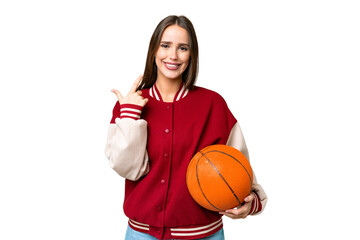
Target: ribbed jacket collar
181,93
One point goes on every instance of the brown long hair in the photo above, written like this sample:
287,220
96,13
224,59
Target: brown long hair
190,74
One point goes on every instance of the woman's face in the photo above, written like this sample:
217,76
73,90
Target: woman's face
173,54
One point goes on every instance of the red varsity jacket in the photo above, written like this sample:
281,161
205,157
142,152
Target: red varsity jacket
156,197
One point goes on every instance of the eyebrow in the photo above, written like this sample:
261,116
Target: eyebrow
167,42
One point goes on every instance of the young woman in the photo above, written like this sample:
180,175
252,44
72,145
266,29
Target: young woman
158,127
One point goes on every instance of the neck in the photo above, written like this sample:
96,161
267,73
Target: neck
168,88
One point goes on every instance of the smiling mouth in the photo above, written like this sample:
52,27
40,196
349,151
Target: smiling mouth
172,66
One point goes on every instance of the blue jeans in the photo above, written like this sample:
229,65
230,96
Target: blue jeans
131,234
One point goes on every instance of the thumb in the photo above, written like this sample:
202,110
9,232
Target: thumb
250,198
117,93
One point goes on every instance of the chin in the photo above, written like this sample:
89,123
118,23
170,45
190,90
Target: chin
172,75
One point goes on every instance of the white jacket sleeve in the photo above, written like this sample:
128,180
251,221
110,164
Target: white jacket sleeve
236,140
126,148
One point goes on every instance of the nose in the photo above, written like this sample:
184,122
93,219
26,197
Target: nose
173,53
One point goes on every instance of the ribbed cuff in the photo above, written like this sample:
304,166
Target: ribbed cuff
130,111
256,205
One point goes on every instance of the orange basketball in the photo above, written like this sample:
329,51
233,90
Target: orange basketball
219,177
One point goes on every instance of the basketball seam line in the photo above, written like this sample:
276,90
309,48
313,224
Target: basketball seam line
234,159
197,177
222,177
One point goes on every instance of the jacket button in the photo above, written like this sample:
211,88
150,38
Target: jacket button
166,155
159,209
168,107
162,181
167,130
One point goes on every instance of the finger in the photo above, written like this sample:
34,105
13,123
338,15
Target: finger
117,93
235,211
250,198
233,216
144,102
244,209
136,83
139,93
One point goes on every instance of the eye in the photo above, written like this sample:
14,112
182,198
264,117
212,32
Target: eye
184,48
164,45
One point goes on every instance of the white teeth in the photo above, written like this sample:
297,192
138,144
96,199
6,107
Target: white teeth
171,65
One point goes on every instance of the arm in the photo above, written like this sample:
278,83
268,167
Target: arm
127,136
126,143
256,201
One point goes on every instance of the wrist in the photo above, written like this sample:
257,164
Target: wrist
255,205
130,111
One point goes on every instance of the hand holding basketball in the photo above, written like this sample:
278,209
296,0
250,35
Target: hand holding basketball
219,177
133,96
243,211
